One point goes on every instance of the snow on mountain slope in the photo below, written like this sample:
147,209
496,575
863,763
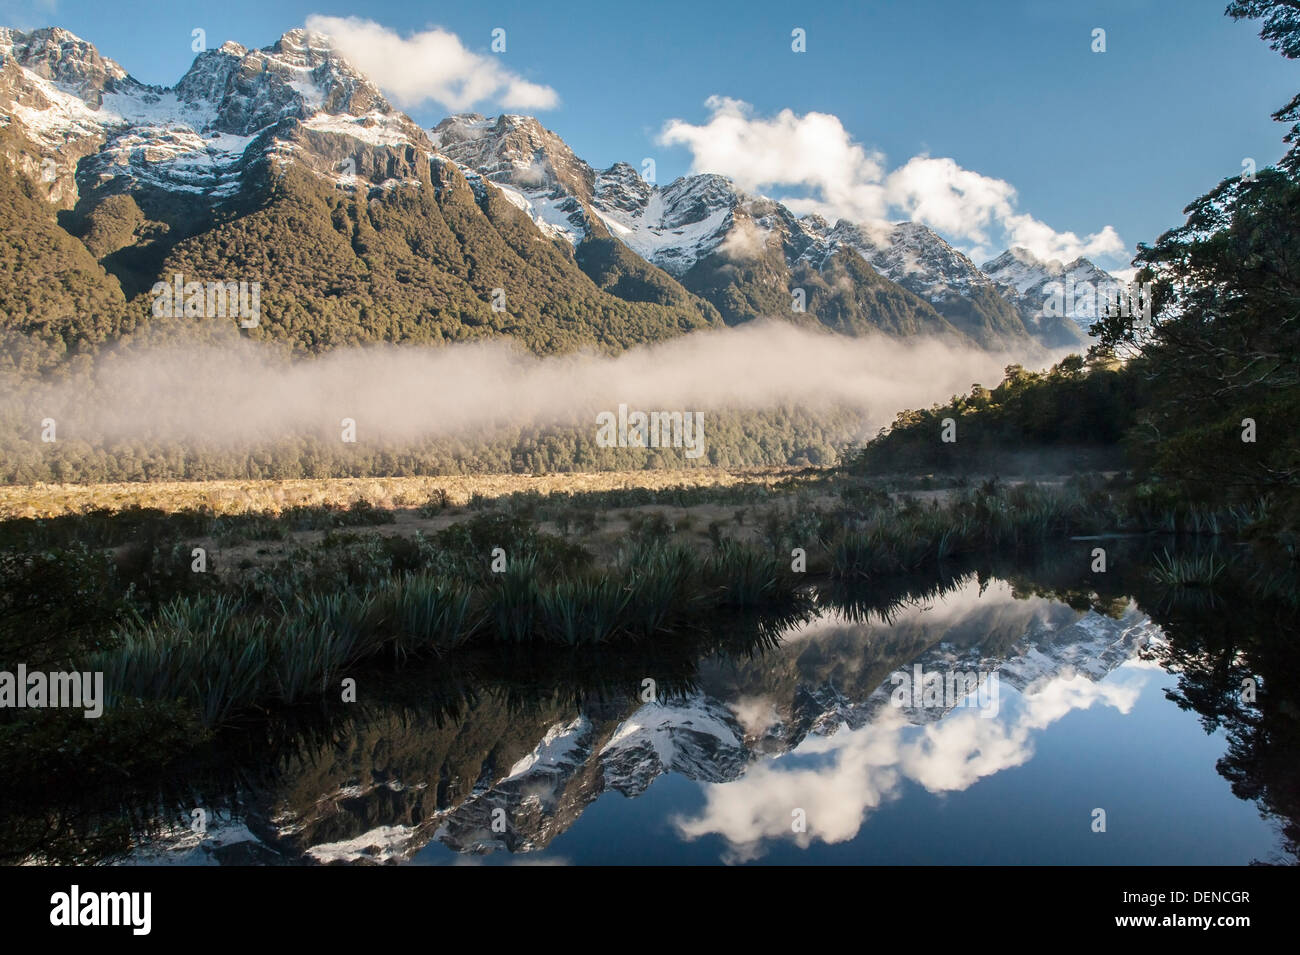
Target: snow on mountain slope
1030,283
697,737
671,226
531,166
91,122
86,125
675,226
558,751
912,255
52,88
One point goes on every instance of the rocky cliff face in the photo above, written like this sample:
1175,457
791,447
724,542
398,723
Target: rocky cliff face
233,111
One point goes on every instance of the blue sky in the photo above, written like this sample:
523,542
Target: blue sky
1009,91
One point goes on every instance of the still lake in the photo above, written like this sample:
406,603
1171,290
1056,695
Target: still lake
1008,718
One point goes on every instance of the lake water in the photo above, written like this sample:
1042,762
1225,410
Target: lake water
850,736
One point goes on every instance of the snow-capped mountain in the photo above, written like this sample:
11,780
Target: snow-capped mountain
908,253
287,167
92,123
921,261
531,166
679,225
696,251
1039,289
742,253
52,89
671,227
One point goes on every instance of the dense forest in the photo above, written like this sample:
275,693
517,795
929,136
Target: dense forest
732,439
1076,411
56,300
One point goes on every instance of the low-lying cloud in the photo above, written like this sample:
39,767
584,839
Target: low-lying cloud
244,392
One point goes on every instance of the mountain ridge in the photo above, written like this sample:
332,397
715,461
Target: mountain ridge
253,150
704,217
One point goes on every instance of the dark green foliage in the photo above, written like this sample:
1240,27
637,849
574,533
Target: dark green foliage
55,299
621,272
586,609
733,439
846,295
49,751
429,612
1223,347
291,635
1281,26
987,318
747,577
56,602
1072,413
647,528
417,264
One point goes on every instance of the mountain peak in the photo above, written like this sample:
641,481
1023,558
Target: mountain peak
62,58
1018,260
518,152
297,76
1027,279
1015,254
518,121
301,42
57,39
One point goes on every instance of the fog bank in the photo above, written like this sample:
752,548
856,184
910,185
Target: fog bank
238,393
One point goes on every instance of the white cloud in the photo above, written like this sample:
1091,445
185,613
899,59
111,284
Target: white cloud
813,151
841,778
832,175
1048,244
852,773
944,196
432,65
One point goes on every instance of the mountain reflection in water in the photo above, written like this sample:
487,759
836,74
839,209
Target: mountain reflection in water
784,750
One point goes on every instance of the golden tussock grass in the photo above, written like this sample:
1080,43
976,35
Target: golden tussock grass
239,497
